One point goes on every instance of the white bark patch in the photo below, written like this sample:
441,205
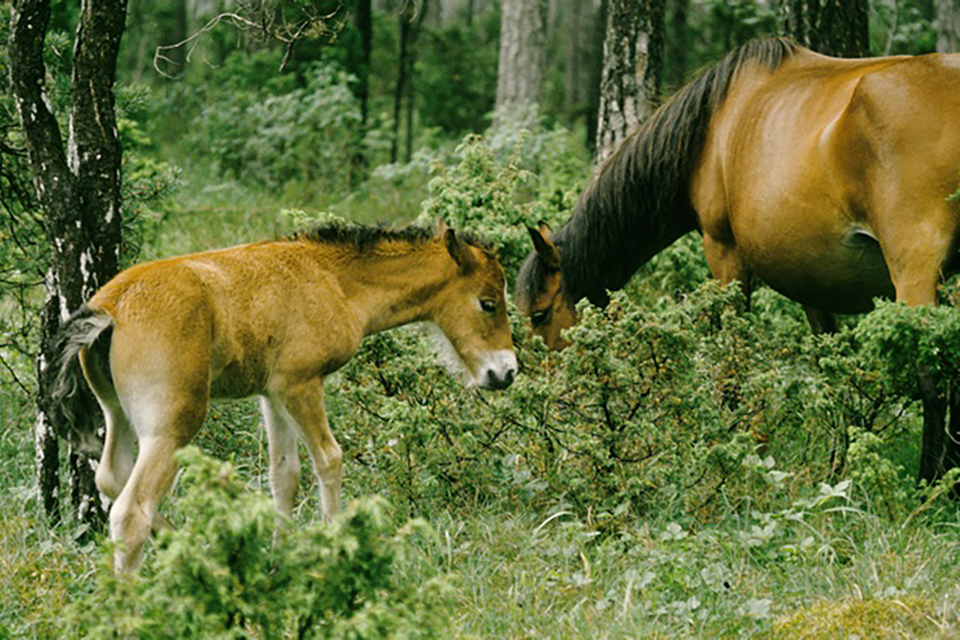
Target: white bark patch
85,259
41,433
73,153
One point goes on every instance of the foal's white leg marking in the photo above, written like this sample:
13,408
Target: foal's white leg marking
132,515
303,407
284,461
116,462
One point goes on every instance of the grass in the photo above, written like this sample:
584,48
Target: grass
798,568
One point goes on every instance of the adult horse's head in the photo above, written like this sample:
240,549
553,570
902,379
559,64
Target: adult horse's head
471,313
540,292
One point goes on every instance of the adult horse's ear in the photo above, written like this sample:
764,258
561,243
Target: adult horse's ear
546,250
459,250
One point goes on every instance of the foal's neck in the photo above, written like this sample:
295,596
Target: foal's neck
396,285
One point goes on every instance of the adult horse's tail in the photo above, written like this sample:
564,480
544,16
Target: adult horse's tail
88,330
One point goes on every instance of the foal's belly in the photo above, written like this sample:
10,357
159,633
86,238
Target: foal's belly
842,273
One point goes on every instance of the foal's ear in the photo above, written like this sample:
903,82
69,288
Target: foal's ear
546,250
459,250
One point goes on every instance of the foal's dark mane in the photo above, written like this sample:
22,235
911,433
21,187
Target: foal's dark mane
638,201
365,239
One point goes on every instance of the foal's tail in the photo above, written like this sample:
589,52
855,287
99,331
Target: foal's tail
88,329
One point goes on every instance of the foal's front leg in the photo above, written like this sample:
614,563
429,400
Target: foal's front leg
302,404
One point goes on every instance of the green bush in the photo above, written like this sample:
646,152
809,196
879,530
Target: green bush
234,570
276,136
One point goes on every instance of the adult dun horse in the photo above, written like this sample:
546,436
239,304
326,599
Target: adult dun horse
162,339
826,178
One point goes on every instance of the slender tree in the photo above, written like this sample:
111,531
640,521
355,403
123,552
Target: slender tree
632,67
411,21
523,26
948,26
833,27
78,189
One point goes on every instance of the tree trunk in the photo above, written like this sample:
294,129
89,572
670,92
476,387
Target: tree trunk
832,27
79,194
596,76
522,58
632,64
411,20
363,19
948,26
676,47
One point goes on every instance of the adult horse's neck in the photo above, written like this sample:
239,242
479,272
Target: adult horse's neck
617,226
639,201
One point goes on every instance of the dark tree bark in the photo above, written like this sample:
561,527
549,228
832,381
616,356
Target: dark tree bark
411,21
832,27
632,67
521,63
79,193
596,76
363,19
675,56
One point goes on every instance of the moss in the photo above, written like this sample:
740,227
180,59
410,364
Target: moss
908,617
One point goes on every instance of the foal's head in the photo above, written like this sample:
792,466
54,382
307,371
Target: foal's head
472,316
540,293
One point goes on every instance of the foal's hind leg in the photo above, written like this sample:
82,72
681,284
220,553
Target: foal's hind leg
284,461
304,404
162,431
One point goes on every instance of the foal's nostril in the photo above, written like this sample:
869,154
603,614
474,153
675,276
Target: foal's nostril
494,381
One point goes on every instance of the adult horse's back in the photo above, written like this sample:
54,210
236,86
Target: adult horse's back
826,178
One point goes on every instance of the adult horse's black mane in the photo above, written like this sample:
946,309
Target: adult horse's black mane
638,202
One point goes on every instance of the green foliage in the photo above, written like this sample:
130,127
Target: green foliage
234,570
457,76
281,137
497,199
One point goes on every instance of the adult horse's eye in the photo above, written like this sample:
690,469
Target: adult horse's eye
488,306
540,318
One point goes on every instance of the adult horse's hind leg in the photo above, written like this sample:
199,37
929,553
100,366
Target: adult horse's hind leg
821,321
284,461
304,404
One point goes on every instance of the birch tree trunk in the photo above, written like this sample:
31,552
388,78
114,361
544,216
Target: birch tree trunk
632,67
78,189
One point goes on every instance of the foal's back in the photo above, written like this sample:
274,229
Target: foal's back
231,317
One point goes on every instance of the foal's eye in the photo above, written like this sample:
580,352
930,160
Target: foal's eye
488,306
540,318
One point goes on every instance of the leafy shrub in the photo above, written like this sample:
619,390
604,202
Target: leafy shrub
234,570
497,199
304,135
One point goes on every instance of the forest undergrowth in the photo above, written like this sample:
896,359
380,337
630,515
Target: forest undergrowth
684,469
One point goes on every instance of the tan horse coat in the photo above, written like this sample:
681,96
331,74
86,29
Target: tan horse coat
271,319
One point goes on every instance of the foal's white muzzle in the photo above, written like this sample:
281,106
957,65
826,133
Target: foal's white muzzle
498,370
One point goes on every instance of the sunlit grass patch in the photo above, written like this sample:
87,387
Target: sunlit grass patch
906,617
